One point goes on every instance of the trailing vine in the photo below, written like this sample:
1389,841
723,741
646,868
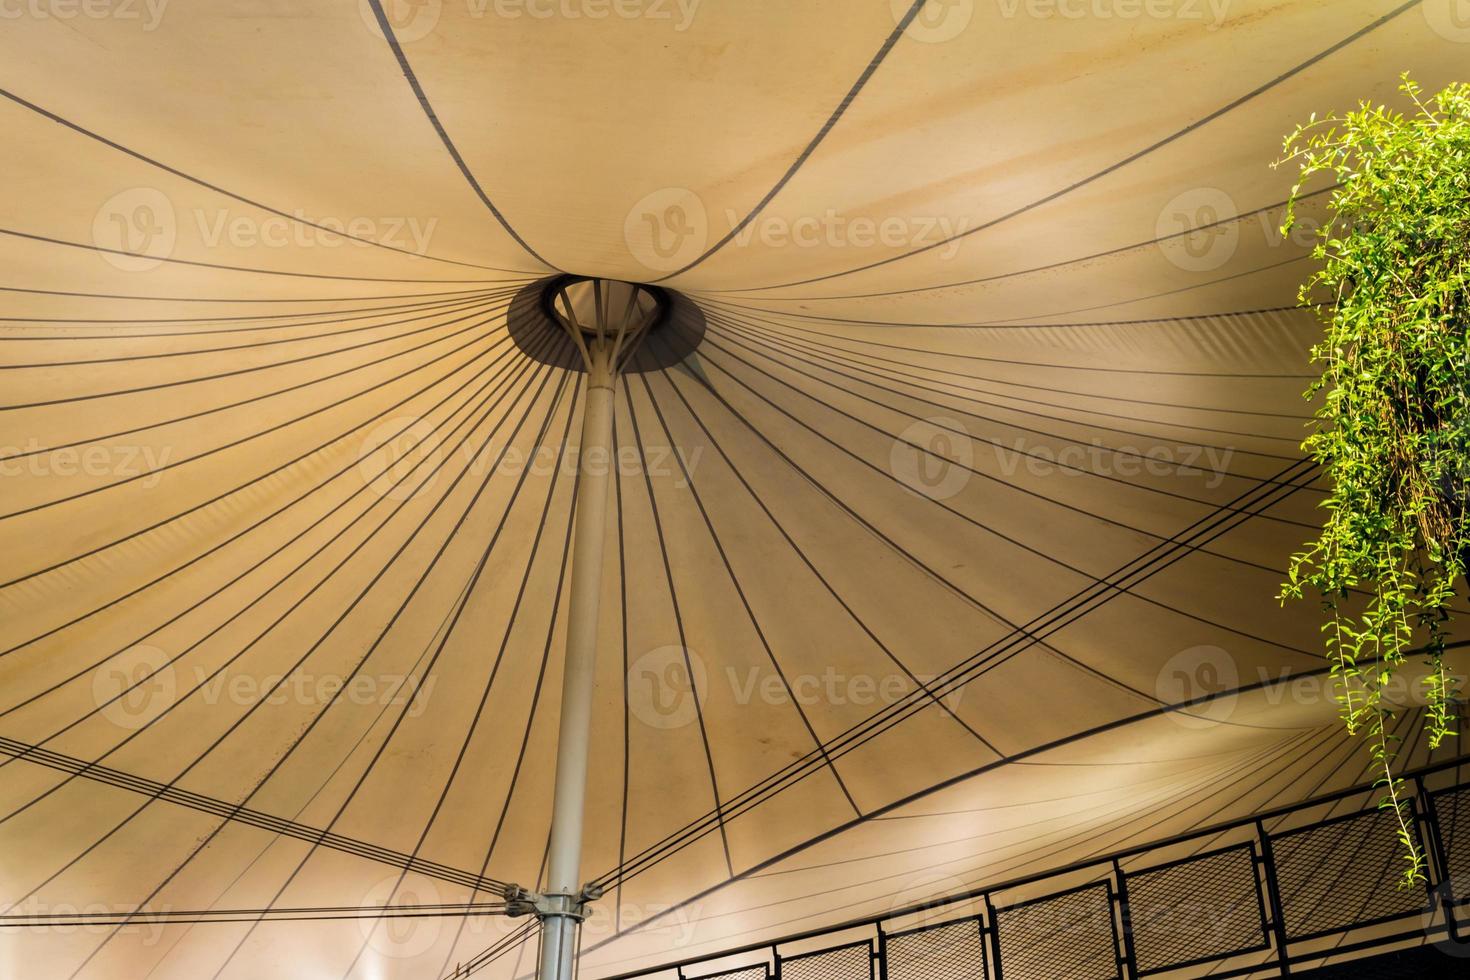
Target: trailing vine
1392,426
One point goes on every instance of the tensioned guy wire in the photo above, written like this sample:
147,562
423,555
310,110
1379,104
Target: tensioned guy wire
494,673
400,504
316,718
1047,622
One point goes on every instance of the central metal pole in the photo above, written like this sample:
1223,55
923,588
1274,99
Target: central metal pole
564,864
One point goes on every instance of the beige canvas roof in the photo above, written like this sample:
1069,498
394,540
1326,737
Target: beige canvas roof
978,459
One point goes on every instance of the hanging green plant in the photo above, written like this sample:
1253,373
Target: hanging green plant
1392,430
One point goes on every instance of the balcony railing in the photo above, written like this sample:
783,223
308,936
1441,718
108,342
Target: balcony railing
1273,895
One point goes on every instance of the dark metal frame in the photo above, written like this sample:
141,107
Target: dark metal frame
1449,901
1249,850
764,967
982,932
1113,880
1424,909
1110,897
866,944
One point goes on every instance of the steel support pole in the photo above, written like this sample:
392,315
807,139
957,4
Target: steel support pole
564,864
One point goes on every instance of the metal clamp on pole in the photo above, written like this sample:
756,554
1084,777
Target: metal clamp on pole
521,902
561,915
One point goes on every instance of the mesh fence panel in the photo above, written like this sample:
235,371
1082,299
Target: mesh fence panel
1331,878
1069,936
1452,810
1334,876
949,952
1209,906
847,963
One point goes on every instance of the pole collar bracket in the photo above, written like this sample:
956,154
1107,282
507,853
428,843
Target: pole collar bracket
560,905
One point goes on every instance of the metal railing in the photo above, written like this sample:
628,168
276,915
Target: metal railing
1274,900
